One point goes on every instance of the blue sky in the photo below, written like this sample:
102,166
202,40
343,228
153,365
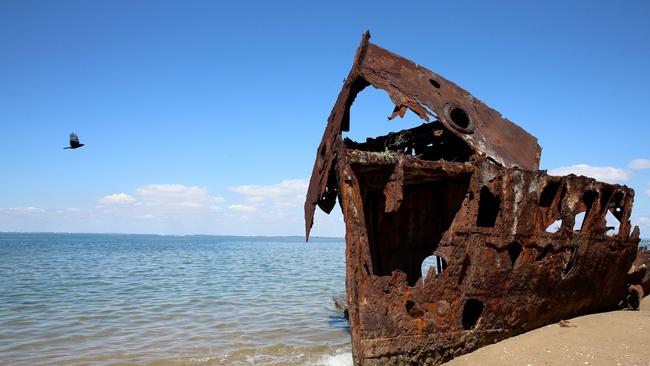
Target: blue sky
201,117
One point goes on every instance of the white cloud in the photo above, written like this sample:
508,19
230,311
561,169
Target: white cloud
24,210
284,188
179,194
286,194
638,164
242,208
117,199
606,174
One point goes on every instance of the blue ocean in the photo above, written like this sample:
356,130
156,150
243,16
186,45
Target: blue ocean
103,299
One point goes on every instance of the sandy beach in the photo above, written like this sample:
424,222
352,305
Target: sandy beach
616,338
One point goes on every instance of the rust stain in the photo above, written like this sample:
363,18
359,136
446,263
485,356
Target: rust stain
463,189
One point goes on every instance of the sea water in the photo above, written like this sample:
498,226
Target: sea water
78,299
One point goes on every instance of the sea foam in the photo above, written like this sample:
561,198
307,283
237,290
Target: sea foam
339,359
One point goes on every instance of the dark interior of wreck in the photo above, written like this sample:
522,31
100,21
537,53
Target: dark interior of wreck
403,239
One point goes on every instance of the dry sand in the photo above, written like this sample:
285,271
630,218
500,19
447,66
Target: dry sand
611,339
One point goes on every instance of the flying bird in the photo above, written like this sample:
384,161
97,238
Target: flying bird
74,142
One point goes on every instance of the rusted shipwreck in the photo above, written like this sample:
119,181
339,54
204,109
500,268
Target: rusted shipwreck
464,187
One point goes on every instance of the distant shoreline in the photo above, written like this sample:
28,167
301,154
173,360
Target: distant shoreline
176,235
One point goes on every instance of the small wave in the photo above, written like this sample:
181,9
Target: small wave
199,360
339,359
274,359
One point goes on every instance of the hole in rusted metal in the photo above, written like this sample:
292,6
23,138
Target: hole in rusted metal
459,119
357,86
588,199
409,305
579,221
368,116
616,205
434,83
472,312
614,214
545,252
613,224
550,207
554,226
402,239
548,194
438,263
413,310
604,200
488,208
514,250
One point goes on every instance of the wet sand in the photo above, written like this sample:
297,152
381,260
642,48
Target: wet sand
615,338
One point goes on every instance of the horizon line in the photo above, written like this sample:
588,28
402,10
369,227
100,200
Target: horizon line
180,235
157,234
